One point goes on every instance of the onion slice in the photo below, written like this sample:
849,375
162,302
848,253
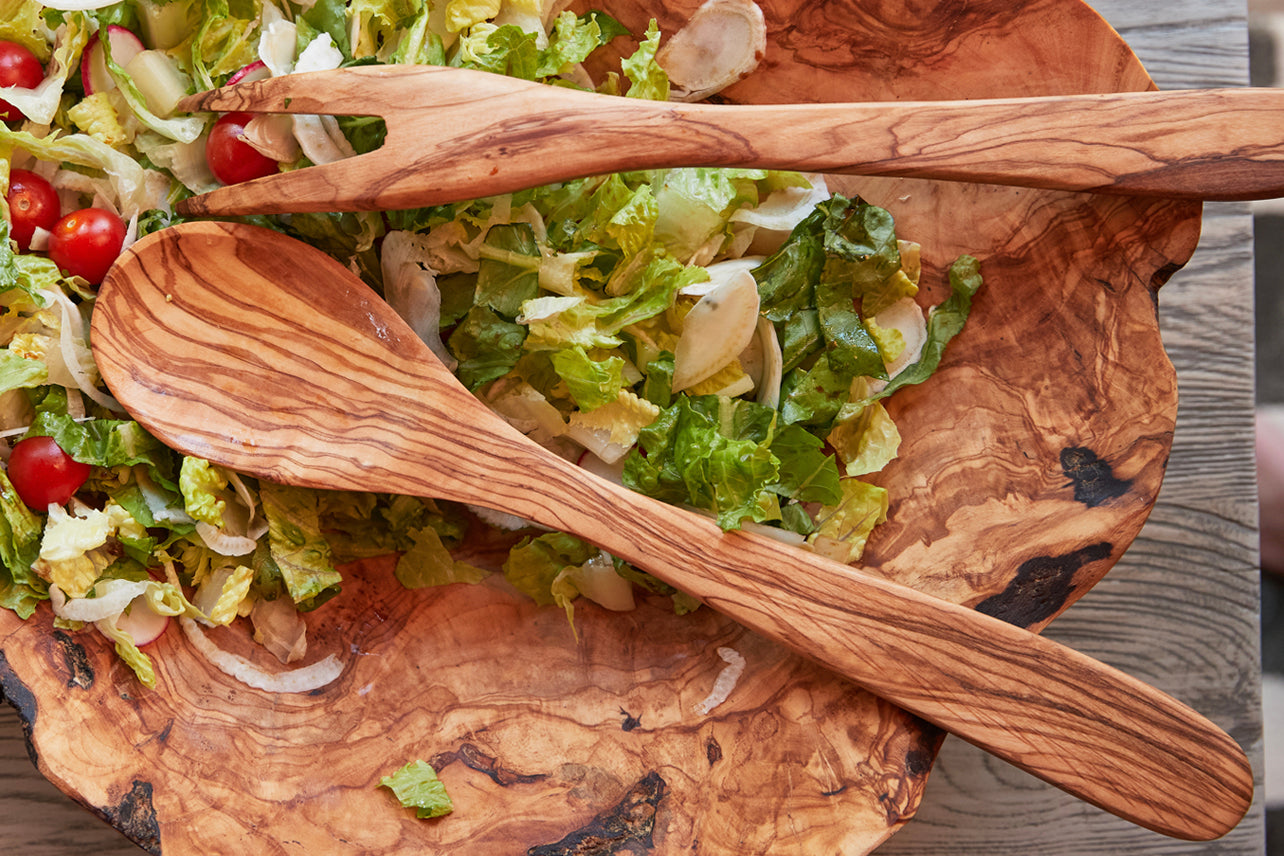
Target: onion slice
301,680
723,42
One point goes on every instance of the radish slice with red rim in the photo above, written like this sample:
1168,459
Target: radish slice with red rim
142,624
93,64
256,70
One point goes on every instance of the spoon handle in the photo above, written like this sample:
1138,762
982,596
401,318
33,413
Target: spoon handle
1079,724
289,368
457,134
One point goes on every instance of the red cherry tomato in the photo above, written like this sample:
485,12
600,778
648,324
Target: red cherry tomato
43,474
231,159
18,67
32,203
86,242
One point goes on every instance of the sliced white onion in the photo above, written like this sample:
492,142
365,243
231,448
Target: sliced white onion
224,543
785,208
111,598
410,287
272,135
319,136
279,628
301,680
723,41
502,519
716,330
141,622
773,364
597,580
905,316
725,682
721,272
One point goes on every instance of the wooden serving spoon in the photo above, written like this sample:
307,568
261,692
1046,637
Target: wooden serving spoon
457,134
250,349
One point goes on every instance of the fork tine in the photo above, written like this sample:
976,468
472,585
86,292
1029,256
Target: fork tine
320,92
320,187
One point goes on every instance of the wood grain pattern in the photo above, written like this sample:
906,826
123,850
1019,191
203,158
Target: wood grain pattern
455,134
1202,555
257,352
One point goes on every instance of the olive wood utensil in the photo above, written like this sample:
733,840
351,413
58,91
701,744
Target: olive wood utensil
255,351
456,134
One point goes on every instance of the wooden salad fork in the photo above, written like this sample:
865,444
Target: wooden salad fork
456,134
258,352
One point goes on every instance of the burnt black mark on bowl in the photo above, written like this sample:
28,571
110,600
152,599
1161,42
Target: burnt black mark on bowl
135,816
713,751
475,759
14,691
627,827
80,673
1042,586
1093,480
630,721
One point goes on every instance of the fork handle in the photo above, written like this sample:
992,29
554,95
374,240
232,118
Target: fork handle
456,134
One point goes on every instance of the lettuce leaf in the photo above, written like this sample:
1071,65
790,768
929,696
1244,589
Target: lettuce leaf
648,80
429,563
508,270
21,589
201,483
712,453
486,345
593,382
416,786
843,529
296,546
535,563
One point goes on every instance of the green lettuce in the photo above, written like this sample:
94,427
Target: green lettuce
647,78
225,41
21,589
535,563
296,546
593,383
416,786
201,483
428,562
843,529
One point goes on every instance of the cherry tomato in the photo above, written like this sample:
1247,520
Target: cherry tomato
231,159
18,67
86,242
32,203
43,474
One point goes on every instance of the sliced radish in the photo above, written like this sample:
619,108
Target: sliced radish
142,624
93,65
256,70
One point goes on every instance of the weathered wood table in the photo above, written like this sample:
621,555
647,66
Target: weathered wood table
1179,611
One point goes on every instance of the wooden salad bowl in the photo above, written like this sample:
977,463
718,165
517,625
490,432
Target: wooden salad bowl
1028,465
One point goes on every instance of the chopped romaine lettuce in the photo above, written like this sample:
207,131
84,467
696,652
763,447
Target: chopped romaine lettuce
416,786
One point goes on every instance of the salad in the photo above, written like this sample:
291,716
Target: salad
718,339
